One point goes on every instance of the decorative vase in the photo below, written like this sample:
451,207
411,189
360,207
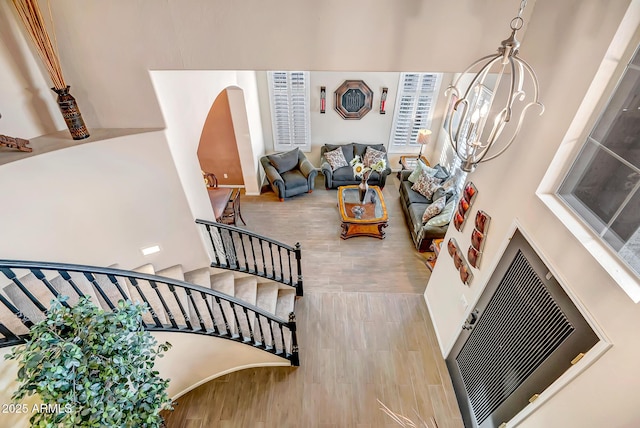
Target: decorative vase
71,114
362,190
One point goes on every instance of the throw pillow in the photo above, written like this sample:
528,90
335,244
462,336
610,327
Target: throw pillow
445,215
420,166
449,184
426,185
336,158
284,162
441,172
371,156
433,210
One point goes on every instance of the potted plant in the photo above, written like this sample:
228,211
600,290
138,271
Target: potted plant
92,368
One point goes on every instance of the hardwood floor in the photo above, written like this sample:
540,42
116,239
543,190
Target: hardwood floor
364,331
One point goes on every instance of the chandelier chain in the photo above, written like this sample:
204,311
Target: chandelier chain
518,22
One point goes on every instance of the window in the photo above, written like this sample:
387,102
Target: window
603,184
414,109
289,97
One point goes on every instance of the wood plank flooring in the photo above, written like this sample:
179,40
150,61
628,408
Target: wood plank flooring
364,331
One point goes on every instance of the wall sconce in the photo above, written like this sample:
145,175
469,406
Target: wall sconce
383,100
323,99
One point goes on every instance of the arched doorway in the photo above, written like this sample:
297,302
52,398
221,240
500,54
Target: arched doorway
218,147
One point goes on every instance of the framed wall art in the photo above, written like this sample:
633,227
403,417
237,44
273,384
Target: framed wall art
353,99
464,205
459,262
478,237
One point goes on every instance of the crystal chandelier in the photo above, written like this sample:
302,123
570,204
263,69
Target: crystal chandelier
478,106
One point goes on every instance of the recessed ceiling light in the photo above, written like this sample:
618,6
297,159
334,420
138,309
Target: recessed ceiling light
150,250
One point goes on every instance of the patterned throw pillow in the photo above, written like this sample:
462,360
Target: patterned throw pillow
372,156
445,215
336,158
420,166
426,185
433,210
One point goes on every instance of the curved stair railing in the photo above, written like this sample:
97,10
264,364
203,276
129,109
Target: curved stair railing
239,250
27,288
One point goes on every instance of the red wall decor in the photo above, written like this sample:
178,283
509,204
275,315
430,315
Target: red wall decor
323,99
383,100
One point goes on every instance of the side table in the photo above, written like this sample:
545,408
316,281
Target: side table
408,163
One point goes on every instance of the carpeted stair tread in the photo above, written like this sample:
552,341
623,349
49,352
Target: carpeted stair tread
224,283
173,272
149,293
246,290
267,296
199,277
266,299
172,298
202,278
284,306
285,303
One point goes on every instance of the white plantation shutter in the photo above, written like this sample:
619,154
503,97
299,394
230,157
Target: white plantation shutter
289,96
414,109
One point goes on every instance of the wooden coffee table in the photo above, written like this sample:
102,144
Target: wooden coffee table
368,219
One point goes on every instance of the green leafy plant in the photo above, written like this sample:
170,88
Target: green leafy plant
92,368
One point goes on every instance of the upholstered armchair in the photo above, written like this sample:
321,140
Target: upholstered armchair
289,173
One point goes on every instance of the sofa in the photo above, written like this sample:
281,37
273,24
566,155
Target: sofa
414,205
289,173
343,176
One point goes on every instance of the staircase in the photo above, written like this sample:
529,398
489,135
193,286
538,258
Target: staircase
232,305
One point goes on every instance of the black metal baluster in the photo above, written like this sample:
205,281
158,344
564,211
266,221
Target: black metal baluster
65,275
224,317
281,269
17,312
209,309
224,247
295,355
92,279
182,309
213,244
9,338
264,262
134,282
235,318
38,274
12,276
195,308
235,252
273,337
253,254
290,268
284,348
115,282
244,254
262,338
273,266
299,289
246,315
154,285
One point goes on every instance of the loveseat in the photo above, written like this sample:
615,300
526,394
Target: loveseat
414,205
343,176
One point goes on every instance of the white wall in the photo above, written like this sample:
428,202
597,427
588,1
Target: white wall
185,98
603,395
27,105
99,203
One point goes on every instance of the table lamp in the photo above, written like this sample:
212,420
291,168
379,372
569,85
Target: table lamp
424,136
